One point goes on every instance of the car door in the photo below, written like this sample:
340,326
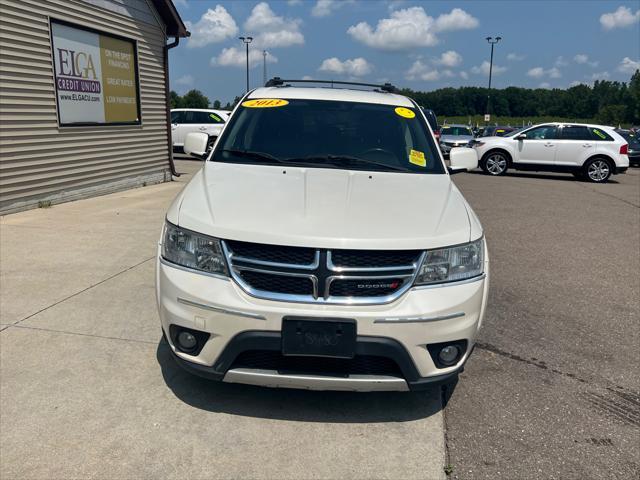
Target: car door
177,120
574,145
212,121
539,146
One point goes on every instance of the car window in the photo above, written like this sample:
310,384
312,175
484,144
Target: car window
213,118
600,135
576,133
631,138
455,131
177,117
189,117
331,134
544,132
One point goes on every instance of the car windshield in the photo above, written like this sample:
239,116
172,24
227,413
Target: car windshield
632,139
455,131
329,134
514,132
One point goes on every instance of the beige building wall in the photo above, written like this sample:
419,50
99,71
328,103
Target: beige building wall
40,161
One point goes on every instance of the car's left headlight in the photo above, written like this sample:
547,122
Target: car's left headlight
452,264
193,250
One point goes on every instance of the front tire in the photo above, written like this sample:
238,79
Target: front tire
597,170
495,163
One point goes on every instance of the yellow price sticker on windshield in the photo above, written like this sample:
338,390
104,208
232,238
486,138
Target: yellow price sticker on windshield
265,103
405,112
417,158
599,133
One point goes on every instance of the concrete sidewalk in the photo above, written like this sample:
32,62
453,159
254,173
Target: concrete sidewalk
88,390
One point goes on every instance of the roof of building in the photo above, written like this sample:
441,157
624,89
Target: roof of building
171,17
337,94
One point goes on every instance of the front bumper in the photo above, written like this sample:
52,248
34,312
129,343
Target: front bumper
400,330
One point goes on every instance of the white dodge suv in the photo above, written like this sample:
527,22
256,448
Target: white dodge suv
323,246
594,152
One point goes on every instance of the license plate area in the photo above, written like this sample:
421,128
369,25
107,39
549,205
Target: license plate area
325,337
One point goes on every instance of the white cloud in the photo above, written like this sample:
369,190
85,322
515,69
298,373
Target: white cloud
271,30
410,28
464,75
185,80
457,19
292,3
554,73
514,57
422,71
628,66
394,4
544,85
356,67
237,57
583,59
561,62
622,17
215,25
181,3
539,72
324,8
600,76
576,83
536,72
449,59
483,69
307,77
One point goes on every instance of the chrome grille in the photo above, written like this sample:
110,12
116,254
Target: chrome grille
297,274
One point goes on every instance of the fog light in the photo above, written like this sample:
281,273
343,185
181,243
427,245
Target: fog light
187,341
449,355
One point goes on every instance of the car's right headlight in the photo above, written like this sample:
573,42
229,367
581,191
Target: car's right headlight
193,250
452,264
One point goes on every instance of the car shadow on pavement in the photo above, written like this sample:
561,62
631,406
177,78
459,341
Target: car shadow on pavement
295,405
544,176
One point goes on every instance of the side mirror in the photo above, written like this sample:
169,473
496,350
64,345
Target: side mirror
462,159
522,136
195,144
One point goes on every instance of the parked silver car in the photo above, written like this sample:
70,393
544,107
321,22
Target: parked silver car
454,136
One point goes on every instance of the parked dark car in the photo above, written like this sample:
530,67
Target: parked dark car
433,122
633,139
497,131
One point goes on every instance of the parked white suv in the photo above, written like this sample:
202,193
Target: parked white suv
323,245
594,152
187,120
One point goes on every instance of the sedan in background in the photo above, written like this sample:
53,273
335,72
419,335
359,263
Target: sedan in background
454,136
633,139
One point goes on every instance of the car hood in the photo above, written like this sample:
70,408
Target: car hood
456,138
323,208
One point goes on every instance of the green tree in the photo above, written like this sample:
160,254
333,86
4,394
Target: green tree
175,100
634,94
216,104
194,99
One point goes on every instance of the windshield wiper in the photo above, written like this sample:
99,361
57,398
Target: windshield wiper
252,154
345,158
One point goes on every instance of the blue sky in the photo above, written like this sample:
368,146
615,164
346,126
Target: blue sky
422,45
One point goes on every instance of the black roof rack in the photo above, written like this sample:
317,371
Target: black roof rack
278,82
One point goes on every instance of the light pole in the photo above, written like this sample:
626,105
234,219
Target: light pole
247,41
264,67
492,41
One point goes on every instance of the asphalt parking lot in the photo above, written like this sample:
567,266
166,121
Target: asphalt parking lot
552,391
553,388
